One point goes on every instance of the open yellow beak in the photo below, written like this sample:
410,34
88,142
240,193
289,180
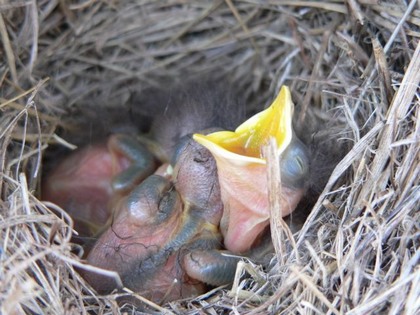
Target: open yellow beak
242,171
244,145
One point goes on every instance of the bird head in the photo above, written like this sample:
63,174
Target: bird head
242,170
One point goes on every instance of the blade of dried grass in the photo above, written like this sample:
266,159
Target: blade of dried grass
33,13
328,6
288,286
315,72
383,70
9,51
31,111
398,13
242,24
76,263
239,293
397,111
396,31
312,287
356,11
400,24
400,284
323,269
127,36
31,90
26,155
194,22
341,167
280,231
412,306
148,302
409,171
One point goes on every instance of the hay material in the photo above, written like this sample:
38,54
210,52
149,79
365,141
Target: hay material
355,62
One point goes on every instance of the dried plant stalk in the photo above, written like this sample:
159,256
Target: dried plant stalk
357,253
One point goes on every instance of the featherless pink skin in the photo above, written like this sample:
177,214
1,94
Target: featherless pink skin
163,236
81,184
247,215
85,182
144,243
242,171
160,232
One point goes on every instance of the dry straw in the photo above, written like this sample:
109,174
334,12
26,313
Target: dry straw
354,62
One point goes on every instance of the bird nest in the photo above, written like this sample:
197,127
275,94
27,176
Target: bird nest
356,63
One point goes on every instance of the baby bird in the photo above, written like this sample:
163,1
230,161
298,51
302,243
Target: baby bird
242,171
165,234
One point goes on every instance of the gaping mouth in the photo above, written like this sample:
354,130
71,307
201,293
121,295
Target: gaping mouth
242,171
244,145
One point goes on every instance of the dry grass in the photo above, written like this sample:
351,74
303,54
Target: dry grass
355,61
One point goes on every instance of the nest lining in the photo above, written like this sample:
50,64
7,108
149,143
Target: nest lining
354,63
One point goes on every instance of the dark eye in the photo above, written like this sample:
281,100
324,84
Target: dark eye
168,203
180,148
301,165
294,164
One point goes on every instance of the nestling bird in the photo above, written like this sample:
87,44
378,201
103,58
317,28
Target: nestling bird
242,171
85,182
162,236
166,233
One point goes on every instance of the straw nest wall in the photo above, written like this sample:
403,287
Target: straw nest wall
356,63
